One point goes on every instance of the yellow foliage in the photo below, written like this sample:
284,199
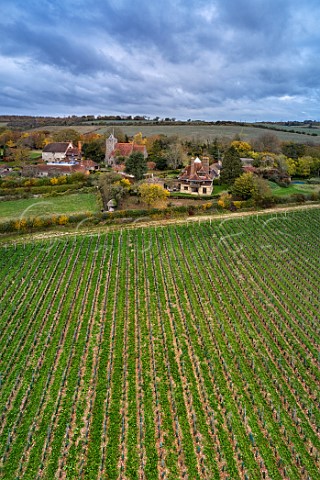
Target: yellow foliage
237,204
63,220
138,139
37,222
243,147
225,200
30,182
62,180
152,194
54,181
207,205
125,182
20,224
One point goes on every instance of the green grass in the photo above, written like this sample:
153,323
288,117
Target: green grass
35,154
293,189
32,207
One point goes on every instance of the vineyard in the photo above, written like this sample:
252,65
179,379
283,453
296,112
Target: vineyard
182,352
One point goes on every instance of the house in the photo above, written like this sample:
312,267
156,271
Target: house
53,170
61,152
115,149
197,178
90,165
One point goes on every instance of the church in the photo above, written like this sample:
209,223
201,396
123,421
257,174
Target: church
115,149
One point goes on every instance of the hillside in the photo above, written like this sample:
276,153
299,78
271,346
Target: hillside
299,132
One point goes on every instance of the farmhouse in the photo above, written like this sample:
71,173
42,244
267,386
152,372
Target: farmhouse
197,178
115,149
61,152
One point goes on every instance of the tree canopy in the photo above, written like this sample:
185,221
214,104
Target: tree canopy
231,166
94,150
153,195
136,165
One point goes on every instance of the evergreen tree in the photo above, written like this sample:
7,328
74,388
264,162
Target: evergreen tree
136,165
231,166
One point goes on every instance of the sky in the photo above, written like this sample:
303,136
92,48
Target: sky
244,60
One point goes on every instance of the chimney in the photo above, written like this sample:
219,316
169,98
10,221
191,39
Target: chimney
205,164
192,169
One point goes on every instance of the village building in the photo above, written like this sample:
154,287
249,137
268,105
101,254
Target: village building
61,152
53,170
115,149
197,178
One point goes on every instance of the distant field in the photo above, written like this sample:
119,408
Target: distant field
33,207
201,132
304,129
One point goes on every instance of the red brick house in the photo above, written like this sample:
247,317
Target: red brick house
197,178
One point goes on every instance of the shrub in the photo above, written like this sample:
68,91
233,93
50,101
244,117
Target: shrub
63,220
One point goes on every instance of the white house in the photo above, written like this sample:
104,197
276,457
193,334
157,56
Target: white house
61,152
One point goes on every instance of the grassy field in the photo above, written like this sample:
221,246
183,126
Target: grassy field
33,207
293,188
180,352
198,132
303,129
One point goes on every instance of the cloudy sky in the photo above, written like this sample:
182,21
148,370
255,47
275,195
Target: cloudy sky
200,59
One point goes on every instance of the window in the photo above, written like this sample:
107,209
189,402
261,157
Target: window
185,188
204,190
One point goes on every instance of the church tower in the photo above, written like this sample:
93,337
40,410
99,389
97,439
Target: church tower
110,146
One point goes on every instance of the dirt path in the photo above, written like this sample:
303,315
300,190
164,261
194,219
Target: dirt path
142,222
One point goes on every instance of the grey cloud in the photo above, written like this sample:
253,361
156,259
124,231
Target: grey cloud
166,58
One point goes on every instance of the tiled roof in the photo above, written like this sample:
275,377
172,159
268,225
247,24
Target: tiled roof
73,151
56,168
57,147
125,149
89,163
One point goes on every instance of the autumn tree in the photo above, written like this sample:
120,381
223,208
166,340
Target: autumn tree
66,135
94,150
249,185
138,139
304,165
153,195
243,148
136,165
231,166
244,187
293,150
267,142
20,155
110,187
175,156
